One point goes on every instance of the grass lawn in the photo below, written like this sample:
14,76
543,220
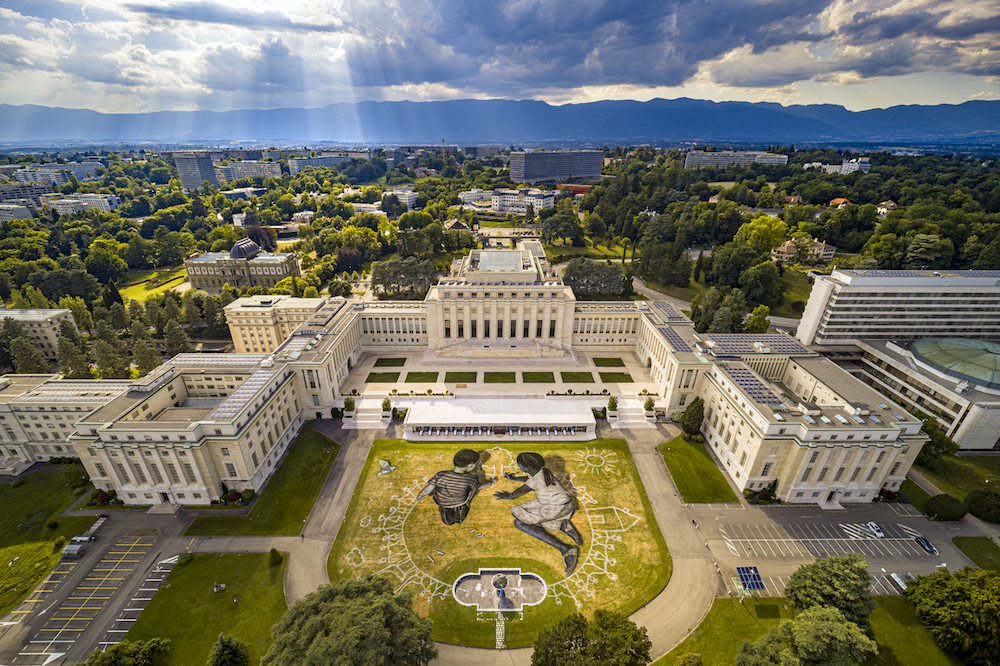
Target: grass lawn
609,363
538,378
382,377
616,377
695,473
902,640
918,496
577,377
390,363
798,287
169,279
958,476
23,531
289,495
499,377
385,532
684,293
192,616
980,550
415,377
460,377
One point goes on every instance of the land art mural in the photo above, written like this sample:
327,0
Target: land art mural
595,543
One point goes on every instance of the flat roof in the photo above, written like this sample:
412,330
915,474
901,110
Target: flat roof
500,260
209,257
524,412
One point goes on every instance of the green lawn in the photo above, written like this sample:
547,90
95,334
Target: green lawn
460,377
24,533
499,377
191,615
616,377
980,550
609,363
958,476
918,496
902,640
168,279
416,377
694,471
288,496
538,378
797,288
382,377
390,362
577,377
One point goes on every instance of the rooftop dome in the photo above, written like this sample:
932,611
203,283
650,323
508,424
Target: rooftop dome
244,249
976,361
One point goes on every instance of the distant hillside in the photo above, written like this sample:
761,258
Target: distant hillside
506,121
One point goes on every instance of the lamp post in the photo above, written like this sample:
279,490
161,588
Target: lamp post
18,570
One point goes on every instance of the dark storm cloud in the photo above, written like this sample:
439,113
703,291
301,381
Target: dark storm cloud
212,12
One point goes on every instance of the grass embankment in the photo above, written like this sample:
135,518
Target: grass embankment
918,496
385,532
577,377
902,640
421,377
499,377
206,614
538,378
151,283
24,532
980,550
460,377
959,476
695,473
289,495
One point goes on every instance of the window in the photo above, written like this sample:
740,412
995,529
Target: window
880,456
806,474
253,456
822,473
683,399
189,472
743,459
766,470
100,470
854,474
225,451
871,474
800,494
813,457
840,473
173,473
156,473
895,468
231,469
781,431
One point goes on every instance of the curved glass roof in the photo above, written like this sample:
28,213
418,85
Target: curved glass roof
976,361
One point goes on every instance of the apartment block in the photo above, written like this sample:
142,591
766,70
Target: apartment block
193,168
554,165
298,164
698,159
42,325
247,169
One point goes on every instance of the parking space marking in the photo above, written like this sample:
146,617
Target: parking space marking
818,540
138,604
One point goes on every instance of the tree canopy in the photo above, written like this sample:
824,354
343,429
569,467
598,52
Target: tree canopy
962,612
594,278
841,582
607,639
129,653
819,636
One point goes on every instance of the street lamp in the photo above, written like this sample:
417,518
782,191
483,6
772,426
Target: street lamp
18,570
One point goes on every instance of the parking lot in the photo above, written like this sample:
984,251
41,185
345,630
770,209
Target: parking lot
881,586
68,622
809,540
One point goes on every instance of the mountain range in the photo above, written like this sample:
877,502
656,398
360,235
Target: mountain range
517,122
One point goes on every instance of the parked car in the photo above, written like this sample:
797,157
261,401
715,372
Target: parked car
875,529
926,545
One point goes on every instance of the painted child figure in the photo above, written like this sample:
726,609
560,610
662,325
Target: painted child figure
454,489
551,509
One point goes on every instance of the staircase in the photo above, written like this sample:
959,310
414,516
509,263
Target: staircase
631,415
368,416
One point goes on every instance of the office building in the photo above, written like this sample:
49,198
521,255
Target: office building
29,191
247,169
859,164
193,168
245,265
261,323
698,159
517,201
853,305
406,196
298,164
42,325
9,211
480,153
58,174
540,166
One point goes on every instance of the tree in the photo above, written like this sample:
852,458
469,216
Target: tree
762,233
762,282
608,638
945,507
81,314
129,653
177,341
105,265
689,659
758,321
392,206
145,355
984,504
215,317
692,417
819,636
229,651
840,581
352,622
402,278
111,361
119,317
27,358
192,313
722,321
590,278
938,445
962,612
72,360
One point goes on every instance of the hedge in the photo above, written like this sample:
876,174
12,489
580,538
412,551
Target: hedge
945,507
984,504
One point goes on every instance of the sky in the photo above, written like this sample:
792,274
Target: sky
153,55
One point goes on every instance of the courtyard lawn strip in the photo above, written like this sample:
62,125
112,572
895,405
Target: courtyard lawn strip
390,362
24,532
188,613
698,478
577,377
383,378
649,562
609,363
421,377
499,377
287,498
460,377
960,475
616,377
538,378
902,639
918,496
980,550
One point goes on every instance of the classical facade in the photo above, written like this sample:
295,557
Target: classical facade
261,323
243,266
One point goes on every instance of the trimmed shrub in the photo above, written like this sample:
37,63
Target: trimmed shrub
17,483
386,404
113,494
184,558
55,461
945,507
247,495
95,493
274,558
234,496
336,413
764,495
649,405
984,504
59,543
103,497
890,495
348,404
612,404
79,491
52,524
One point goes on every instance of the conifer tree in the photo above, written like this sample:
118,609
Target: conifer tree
146,356
27,357
176,339
72,360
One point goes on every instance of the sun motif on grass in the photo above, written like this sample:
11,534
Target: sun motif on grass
598,461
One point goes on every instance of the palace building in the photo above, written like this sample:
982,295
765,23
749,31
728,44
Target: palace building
245,265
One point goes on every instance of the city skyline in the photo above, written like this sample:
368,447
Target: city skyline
118,56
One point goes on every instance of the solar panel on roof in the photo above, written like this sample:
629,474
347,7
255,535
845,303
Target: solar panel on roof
673,338
751,385
670,313
750,578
